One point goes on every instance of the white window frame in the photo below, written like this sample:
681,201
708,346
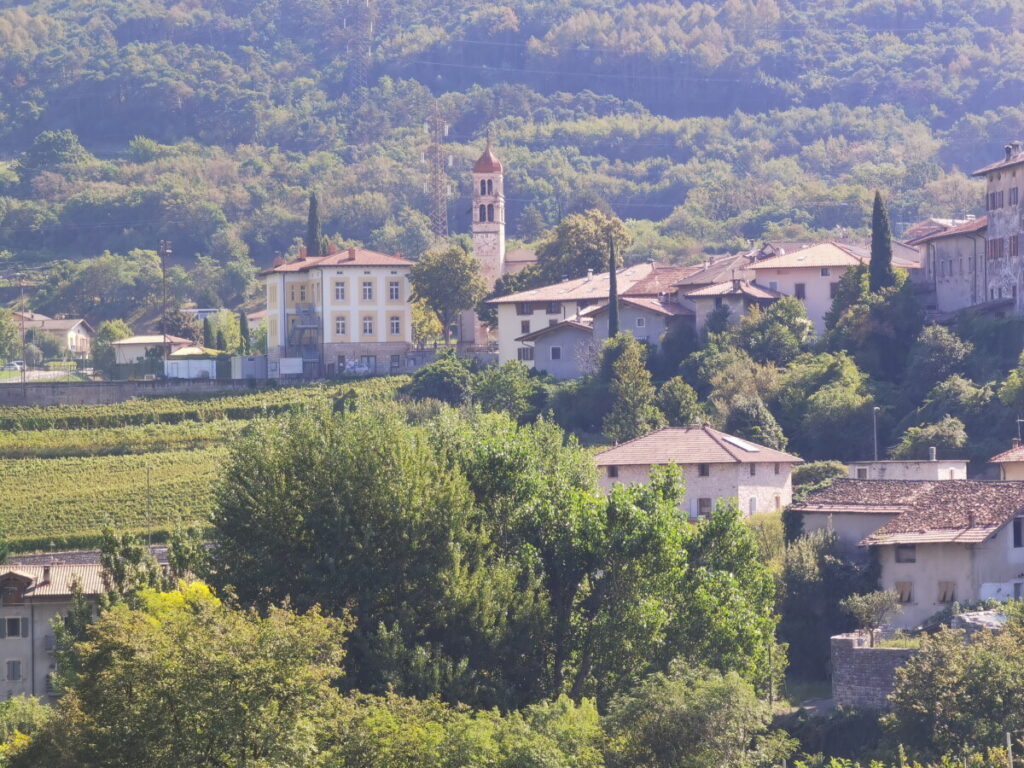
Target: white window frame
553,350
641,322
396,325
394,290
367,290
339,290
340,326
367,326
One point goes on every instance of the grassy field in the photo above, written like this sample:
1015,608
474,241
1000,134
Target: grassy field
143,465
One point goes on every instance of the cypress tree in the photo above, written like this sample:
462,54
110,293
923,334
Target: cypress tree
222,343
314,229
613,290
243,329
881,248
208,335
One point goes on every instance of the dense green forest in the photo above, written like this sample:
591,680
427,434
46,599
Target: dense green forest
705,125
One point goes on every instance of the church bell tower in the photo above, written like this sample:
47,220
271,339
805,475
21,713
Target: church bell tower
489,216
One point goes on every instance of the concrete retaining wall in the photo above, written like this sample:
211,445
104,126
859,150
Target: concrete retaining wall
863,677
105,392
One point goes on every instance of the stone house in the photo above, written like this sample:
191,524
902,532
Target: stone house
1004,269
31,597
937,542
135,349
714,465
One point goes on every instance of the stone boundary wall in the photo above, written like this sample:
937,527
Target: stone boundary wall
109,392
862,677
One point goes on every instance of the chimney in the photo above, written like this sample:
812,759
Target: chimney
302,252
278,261
1009,151
735,283
46,575
351,254
1015,443
590,274
932,454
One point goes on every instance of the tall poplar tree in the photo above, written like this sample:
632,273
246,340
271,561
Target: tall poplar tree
881,274
314,229
613,289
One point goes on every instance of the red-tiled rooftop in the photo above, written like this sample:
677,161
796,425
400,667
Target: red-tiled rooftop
352,257
735,288
691,445
968,227
928,511
1014,454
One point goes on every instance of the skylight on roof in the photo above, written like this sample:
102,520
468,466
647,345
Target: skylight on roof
743,445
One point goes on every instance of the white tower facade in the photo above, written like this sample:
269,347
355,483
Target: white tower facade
489,216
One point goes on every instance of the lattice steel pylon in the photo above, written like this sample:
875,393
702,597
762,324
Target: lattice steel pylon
437,186
359,47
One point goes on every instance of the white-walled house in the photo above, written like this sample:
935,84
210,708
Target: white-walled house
900,469
737,295
74,335
937,542
135,348
31,596
714,465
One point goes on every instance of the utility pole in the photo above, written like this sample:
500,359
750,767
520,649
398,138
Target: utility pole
24,346
149,508
874,427
436,158
164,251
1009,749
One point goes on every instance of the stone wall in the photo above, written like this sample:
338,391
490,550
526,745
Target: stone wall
863,677
104,392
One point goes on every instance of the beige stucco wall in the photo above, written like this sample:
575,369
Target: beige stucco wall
818,296
724,481
705,305
1012,470
510,325
910,470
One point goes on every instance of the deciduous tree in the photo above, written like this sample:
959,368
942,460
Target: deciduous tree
449,281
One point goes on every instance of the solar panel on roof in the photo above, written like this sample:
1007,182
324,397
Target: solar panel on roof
741,444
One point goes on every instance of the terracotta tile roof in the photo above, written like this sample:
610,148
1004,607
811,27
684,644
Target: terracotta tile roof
967,227
61,577
666,308
734,288
562,326
691,445
52,324
829,254
1014,157
661,280
1013,454
931,511
722,268
353,257
591,287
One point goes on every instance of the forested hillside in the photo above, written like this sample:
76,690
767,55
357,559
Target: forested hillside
706,124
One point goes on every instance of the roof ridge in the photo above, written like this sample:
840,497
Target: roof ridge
638,437
723,444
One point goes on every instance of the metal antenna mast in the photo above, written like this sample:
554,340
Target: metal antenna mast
437,160
364,14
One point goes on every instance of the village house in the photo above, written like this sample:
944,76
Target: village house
936,542
136,349
346,311
812,275
31,597
909,469
1004,270
715,467
954,266
74,335
1011,462
644,299
738,296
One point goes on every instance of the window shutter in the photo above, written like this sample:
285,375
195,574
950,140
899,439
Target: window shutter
3,629
24,627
